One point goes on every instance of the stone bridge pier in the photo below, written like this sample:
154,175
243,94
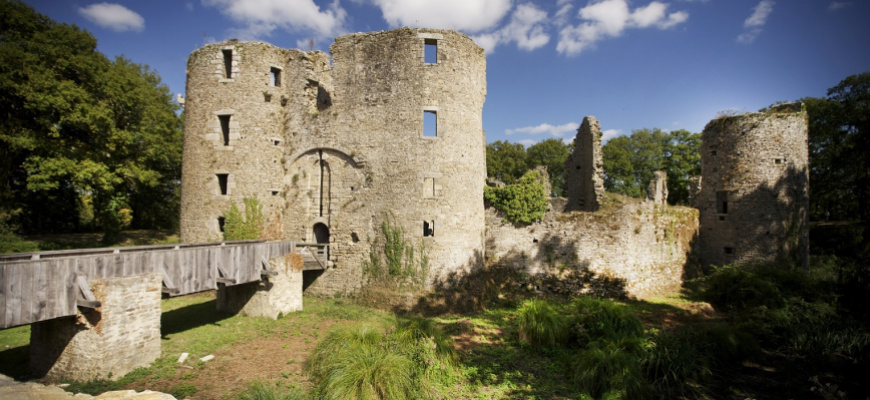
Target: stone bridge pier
123,332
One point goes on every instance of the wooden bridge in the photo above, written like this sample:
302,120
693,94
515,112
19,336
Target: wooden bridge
46,285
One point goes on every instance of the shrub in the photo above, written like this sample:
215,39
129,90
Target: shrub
611,369
538,323
393,258
263,391
737,288
405,361
597,318
9,241
523,202
247,226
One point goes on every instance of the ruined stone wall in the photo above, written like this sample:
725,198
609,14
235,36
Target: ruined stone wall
754,192
637,249
105,343
584,169
351,148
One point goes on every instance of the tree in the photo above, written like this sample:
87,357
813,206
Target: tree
78,126
522,202
551,153
839,136
505,161
630,161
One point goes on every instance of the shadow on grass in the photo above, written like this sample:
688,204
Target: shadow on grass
189,317
15,362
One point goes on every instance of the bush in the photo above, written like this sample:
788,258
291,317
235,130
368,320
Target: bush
409,360
247,226
603,319
611,369
263,391
538,323
523,202
9,241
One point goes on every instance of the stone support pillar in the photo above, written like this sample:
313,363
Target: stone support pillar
270,297
103,343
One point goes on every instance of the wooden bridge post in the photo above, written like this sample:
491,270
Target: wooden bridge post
277,293
107,342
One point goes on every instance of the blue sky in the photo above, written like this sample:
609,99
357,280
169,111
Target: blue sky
631,63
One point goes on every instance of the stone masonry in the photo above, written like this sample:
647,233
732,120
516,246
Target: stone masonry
754,192
331,149
584,169
657,191
107,342
277,295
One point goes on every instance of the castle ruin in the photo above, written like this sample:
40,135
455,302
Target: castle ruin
391,127
584,169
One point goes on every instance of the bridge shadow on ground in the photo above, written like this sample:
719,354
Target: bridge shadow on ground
192,316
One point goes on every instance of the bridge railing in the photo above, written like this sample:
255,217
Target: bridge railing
45,285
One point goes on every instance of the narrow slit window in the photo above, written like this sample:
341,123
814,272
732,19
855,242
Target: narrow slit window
228,63
428,228
430,52
275,77
222,221
225,128
722,202
429,187
430,123
222,183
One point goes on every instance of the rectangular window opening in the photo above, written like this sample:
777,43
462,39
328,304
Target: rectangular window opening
713,153
222,182
722,202
222,221
228,63
728,250
429,187
428,228
225,128
430,52
430,123
275,77
778,161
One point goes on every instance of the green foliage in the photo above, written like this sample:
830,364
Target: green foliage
263,391
611,370
540,324
522,202
244,227
506,161
551,153
9,241
183,390
404,361
596,319
79,124
630,161
839,134
394,259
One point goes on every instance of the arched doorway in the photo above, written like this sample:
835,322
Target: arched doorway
321,233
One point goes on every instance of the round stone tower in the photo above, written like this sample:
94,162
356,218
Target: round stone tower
755,188
392,128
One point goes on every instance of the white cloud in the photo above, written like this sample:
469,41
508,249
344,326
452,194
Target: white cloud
526,28
463,15
609,18
264,16
753,24
113,16
610,134
553,130
838,5
527,142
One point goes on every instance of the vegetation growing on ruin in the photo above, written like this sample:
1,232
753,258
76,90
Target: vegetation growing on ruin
394,260
523,202
247,226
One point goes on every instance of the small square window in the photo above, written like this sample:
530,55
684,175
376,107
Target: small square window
778,161
428,228
728,250
713,153
430,51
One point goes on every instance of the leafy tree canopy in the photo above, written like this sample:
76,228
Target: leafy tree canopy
505,161
77,125
551,153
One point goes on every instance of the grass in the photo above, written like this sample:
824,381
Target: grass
68,241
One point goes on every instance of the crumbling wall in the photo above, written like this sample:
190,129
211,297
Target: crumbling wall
754,192
657,191
637,248
584,169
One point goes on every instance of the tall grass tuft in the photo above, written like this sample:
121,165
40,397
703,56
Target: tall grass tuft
611,370
598,318
411,359
540,324
263,391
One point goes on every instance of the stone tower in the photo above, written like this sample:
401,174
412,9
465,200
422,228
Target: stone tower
584,169
392,127
754,192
